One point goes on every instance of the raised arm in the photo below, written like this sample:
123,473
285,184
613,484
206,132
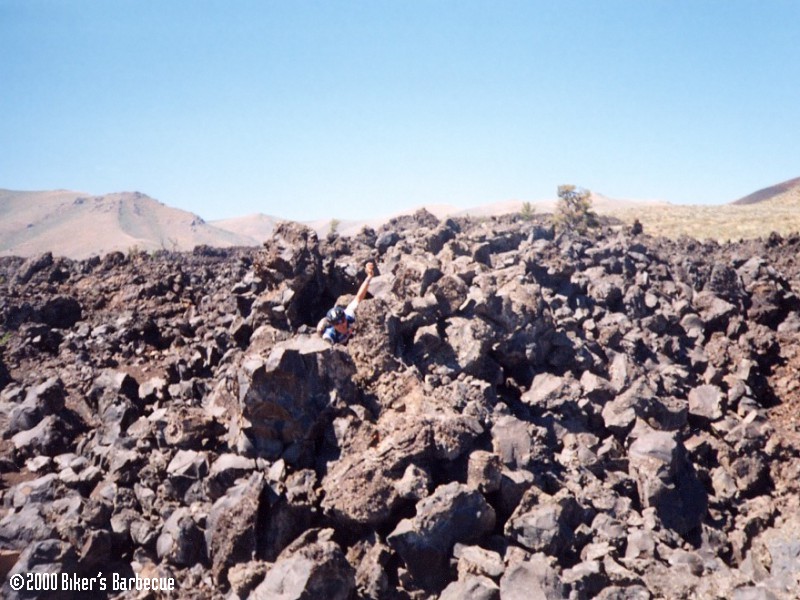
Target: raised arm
362,291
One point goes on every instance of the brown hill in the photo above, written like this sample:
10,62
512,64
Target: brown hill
771,192
77,226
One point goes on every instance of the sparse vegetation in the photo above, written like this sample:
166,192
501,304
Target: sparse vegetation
5,339
720,223
527,211
574,210
334,227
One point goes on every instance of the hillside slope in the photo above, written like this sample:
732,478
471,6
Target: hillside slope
77,226
779,213
774,192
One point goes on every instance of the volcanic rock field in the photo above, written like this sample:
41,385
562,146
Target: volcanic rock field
522,414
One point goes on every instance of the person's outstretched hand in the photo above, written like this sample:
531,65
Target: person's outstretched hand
370,269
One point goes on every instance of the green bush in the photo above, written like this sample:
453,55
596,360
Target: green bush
574,210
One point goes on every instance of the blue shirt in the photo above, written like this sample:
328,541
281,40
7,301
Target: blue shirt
333,336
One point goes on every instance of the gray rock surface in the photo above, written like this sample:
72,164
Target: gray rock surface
520,413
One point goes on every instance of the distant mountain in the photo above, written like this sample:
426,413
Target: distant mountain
773,192
78,226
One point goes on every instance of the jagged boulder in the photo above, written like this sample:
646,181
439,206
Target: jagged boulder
232,528
620,414
474,587
21,528
50,556
61,312
291,267
181,541
714,310
707,402
667,482
291,512
314,566
283,397
44,399
534,578
544,523
110,386
34,265
374,346
365,488
49,437
452,514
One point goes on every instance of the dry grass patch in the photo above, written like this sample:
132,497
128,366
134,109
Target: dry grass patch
720,223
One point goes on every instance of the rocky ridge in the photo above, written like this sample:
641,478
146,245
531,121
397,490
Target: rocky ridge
520,415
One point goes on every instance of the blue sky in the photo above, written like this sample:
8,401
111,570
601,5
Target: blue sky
357,109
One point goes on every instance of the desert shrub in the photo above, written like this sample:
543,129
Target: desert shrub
527,211
574,210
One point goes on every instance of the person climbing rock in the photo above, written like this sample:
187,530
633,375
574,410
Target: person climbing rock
337,325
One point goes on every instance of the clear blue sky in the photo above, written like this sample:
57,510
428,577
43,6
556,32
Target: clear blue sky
355,109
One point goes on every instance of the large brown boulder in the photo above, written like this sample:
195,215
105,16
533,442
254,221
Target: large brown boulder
232,527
